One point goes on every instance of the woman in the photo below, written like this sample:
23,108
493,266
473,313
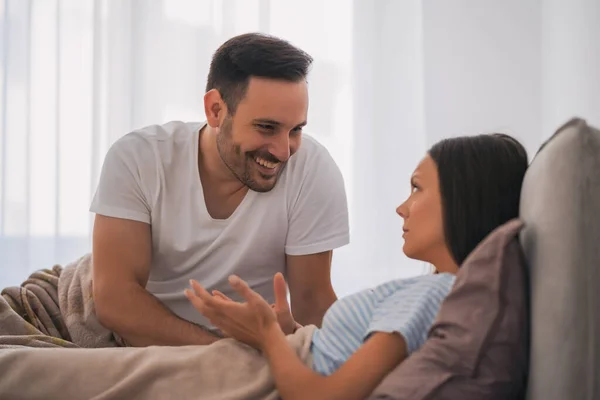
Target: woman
462,190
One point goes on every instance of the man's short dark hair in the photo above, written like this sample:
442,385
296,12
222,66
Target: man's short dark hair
258,55
480,186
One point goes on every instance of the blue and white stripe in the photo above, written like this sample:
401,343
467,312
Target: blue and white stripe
405,306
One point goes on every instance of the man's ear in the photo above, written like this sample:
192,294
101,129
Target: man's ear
214,108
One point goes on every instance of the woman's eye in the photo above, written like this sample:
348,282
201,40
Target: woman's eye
414,188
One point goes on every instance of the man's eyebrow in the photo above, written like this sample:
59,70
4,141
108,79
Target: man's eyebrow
266,121
273,122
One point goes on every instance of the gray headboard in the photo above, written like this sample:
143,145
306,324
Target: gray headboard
560,206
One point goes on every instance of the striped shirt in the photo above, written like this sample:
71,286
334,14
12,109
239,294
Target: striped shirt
405,306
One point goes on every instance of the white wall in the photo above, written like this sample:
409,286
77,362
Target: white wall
389,137
482,68
571,62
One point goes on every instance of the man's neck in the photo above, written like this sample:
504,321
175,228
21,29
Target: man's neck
213,171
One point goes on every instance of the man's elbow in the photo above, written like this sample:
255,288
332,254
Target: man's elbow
106,309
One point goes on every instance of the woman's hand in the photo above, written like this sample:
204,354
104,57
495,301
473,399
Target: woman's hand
248,322
282,307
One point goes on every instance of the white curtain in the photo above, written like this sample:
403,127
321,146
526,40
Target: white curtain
390,78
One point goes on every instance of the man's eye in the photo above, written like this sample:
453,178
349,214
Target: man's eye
265,127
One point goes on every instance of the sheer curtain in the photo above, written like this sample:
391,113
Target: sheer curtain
390,78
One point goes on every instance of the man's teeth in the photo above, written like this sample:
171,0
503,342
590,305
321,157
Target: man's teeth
265,163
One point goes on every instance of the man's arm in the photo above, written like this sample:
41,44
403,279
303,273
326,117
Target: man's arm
311,292
122,253
318,224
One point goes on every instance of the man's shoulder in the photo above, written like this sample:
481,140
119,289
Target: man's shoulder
311,148
313,173
311,156
175,131
151,141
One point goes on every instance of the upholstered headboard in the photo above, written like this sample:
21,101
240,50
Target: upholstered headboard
560,206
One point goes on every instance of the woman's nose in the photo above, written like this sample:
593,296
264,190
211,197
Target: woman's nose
402,210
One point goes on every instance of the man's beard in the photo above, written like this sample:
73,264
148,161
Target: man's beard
242,165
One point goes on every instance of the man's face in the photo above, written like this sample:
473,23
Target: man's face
265,131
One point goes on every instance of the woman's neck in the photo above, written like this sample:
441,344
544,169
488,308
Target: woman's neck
445,263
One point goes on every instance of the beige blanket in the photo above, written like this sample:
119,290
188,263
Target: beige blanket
53,308
52,347
225,370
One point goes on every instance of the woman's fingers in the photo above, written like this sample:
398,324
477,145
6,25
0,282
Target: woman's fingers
280,289
197,302
204,302
204,295
220,295
200,291
240,286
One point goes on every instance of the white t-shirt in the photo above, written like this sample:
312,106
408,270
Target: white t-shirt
151,175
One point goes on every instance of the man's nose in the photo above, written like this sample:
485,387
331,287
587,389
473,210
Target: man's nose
280,147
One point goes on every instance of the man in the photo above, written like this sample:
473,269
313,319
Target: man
235,194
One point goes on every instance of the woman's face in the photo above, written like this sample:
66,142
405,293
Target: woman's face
422,214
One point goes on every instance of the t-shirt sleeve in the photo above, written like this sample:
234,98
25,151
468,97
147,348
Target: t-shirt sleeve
121,191
319,216
411,310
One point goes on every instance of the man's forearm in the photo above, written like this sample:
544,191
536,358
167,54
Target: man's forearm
310,310
142,320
